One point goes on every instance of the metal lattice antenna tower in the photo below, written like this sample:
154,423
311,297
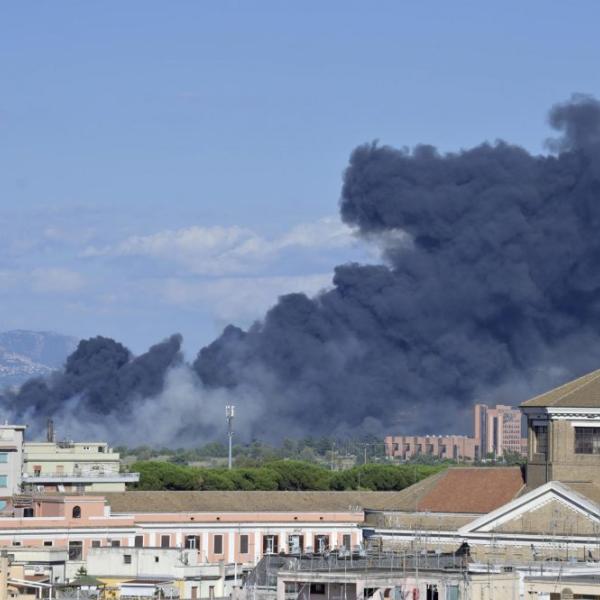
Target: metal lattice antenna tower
229,414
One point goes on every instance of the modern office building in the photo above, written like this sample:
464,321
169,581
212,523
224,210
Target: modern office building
497,430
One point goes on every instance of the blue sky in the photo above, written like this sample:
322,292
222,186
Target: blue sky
175,166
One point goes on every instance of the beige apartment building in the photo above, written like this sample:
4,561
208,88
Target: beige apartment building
73,467
455,447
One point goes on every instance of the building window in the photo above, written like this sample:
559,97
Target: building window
243,544
192,542
138,541
218,544
3,457
431,592
587,440
347,541
126,559
291,587
321,543
156,559
95,543
27,513
3,481
540,438
116,543
75,550
452,592
317,589
295,543
76,512
270,544
47,542
165,541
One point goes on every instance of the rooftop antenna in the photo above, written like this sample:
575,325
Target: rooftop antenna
229,414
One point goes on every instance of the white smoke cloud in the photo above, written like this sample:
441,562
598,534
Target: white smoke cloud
227,250
239,298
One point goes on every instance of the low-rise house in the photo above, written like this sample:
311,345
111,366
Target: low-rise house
176,572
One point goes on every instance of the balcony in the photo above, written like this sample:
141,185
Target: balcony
82,477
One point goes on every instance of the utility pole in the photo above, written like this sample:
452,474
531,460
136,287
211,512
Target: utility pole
229,414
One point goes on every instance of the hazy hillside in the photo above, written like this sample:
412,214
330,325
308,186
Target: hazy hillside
25,354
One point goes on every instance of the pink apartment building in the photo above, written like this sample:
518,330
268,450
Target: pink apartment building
498,430
231,527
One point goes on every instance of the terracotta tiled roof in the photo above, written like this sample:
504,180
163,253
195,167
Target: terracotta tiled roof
583,392
472,490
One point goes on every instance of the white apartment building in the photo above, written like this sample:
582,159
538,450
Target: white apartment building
176,571
11,461
73,467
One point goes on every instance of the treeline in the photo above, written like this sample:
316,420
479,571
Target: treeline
279,475
256,453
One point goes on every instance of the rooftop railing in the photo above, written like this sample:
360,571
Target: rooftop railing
81,475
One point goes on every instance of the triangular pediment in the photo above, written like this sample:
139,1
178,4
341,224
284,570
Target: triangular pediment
551,509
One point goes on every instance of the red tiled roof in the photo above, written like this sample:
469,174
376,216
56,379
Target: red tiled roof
472,490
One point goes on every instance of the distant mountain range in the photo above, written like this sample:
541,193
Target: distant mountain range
25,354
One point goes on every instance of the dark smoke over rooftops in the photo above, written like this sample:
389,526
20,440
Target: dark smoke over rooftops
103,375
489,291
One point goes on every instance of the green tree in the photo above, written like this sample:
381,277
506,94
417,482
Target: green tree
164,476
297,475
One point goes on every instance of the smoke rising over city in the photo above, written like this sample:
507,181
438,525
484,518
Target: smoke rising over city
488,288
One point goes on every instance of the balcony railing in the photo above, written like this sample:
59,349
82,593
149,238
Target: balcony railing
80,476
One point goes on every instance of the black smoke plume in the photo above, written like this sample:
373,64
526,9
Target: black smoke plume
489,290
104,377
491,281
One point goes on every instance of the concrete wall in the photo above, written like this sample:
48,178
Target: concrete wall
561,462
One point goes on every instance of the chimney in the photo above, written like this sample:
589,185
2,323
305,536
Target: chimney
50,431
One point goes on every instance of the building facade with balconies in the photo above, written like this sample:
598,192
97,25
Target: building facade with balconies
73,467
11,460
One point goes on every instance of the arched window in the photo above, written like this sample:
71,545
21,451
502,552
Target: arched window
77,512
